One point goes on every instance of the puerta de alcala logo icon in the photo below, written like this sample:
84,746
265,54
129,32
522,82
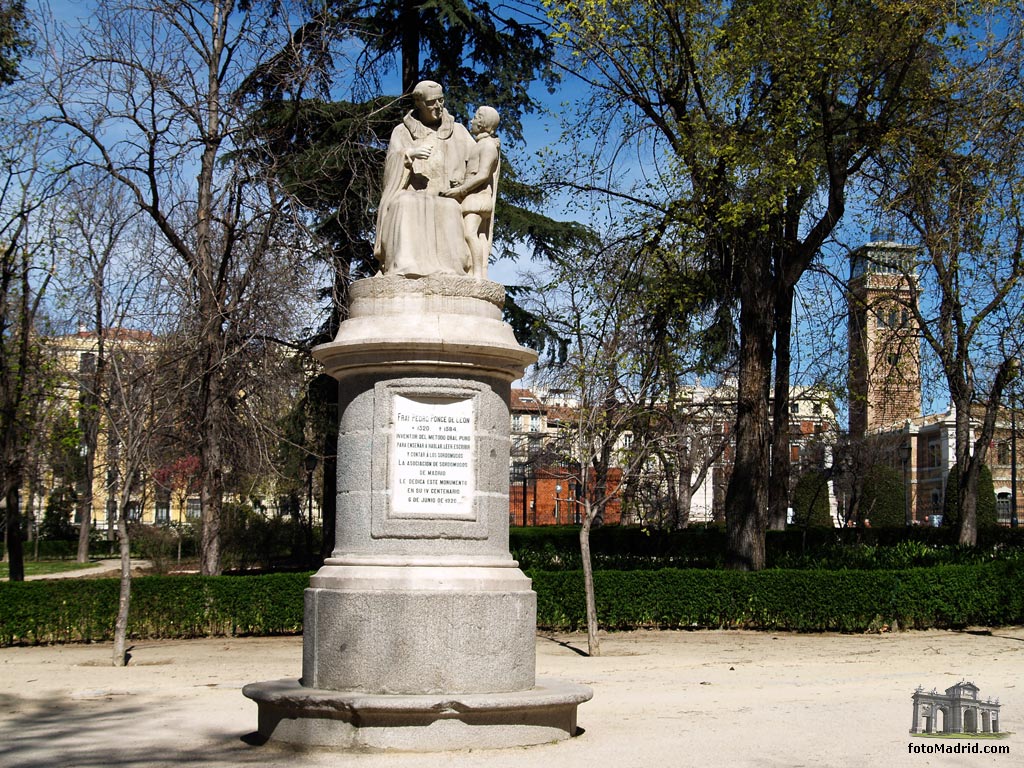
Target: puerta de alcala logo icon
957,711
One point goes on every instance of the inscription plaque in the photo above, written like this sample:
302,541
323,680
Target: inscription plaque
432,468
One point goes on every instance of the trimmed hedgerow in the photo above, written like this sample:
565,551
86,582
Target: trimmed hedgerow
624,548
77,610
805,601
990,594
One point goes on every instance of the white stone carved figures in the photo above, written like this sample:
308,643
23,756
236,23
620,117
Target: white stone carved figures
436,208
478,191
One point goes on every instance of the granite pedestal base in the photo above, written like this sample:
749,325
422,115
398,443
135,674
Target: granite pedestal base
291,713
420,628
396,627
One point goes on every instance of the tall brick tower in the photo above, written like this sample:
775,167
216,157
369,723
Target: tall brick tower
884,338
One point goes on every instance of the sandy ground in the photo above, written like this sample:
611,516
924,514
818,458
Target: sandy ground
660,699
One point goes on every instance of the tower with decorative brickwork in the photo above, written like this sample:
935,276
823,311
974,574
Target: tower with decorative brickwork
884,338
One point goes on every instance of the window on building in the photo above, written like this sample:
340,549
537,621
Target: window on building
535,423
627,440
517,423
133,511
794,407
1003,501
1003,453
111,511
193,508
162,508
817,409
893,317
934,453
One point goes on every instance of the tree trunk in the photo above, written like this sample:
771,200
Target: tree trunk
684,498
15,551
968,503
593,644
671,494
211,297
91,424
85,507
778,488
124,601
211,488
85,503
967,470
409,22
1008,370
746,500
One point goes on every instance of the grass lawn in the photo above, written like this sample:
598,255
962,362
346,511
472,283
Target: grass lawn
39,567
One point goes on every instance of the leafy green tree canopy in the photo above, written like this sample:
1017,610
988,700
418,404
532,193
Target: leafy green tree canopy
986,509
811,501
14,41
883,498
755,119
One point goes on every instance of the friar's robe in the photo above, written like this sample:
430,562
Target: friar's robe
419,232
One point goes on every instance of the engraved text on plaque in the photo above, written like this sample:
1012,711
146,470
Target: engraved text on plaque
432,458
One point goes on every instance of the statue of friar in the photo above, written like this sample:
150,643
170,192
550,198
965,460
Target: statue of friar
424,221
419,232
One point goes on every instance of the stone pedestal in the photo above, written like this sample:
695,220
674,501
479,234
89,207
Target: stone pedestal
419,629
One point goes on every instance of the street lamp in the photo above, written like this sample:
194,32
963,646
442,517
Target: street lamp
905,456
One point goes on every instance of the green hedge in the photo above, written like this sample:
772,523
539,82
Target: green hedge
805,601
991,594
621,548
75,610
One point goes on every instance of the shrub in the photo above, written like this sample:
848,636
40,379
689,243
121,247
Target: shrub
76,610
806,601
986,508
809,601
56,524
157,544
253,540
551,548
811,501
883,497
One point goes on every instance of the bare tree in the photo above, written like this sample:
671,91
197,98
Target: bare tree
26,267
100,259
590,306
958,186
152,94
133,404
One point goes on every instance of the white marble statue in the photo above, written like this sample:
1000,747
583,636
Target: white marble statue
420,231
478,191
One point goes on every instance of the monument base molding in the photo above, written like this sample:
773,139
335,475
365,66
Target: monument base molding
389,629
291,713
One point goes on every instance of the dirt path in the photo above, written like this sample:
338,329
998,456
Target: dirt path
661,699
101,568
